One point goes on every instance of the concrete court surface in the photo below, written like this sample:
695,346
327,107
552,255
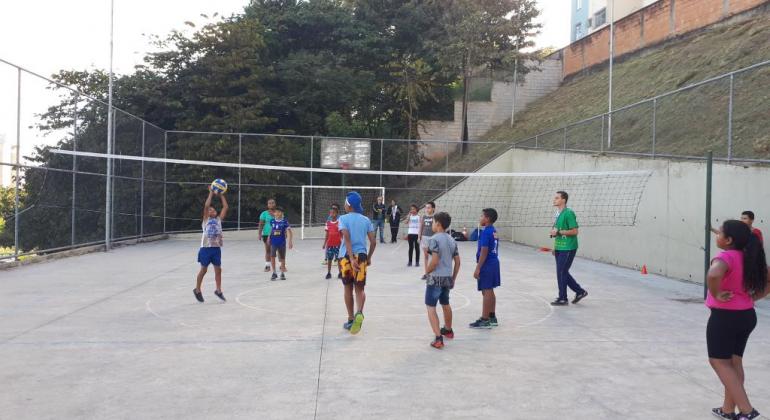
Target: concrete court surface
119,335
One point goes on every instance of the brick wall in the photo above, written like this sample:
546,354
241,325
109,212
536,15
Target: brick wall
653,24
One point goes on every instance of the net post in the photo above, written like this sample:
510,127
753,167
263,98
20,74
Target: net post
17,180
382,142
707,241
654,124
302,215
730,120
240,160
141,187
165,156
74,169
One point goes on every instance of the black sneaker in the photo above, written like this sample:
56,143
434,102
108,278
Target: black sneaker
721,414
447,333
580,296
740,416
283,276
348,324
339,275
493,321
328,276
274,276
220,295
560,302
198,295
417,264
425,277
409,264
481,323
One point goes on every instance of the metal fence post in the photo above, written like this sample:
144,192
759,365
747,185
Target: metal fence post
564,145
536,139
74,169
446,167
707,241
141,187
601,139
240,187
654,124
18,150
382,149
730,120
165,156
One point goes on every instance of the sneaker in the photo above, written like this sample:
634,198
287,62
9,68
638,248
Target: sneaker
560,302
721,414
409,264
267,269
283,276
580,296
328,276
493,321
740,416
348,324
339,275
425,277
356,327
274,276
220,295
447,333
198,295
417,264
481,323
438,343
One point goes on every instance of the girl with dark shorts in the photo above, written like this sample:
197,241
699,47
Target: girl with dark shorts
738,276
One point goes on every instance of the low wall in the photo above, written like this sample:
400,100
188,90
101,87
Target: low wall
669,232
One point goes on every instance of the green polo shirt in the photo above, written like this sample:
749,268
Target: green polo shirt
566,221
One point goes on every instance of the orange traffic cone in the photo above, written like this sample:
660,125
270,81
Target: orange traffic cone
644,269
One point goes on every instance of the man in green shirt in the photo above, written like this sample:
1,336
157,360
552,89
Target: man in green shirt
564,232
265,228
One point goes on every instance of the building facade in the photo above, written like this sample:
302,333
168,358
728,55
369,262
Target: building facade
589,16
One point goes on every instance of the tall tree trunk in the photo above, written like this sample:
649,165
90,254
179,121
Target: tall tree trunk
466,90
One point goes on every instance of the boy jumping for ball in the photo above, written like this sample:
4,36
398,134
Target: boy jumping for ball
212,240
279,234
354,261
442,250
332,241
487,272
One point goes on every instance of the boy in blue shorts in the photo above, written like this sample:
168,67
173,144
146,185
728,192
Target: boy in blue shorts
442,250
487,272
212,240
280,232
354,258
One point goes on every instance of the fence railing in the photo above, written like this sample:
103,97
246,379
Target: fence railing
728,114
60,202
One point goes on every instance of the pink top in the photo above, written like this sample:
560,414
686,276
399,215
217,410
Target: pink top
732,281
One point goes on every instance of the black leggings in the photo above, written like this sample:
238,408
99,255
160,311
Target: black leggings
413,245
728,332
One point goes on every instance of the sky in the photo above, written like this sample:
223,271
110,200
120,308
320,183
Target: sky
45,36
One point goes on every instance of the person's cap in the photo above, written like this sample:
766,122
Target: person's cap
353,199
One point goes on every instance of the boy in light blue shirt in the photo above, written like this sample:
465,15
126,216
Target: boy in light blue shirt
354,258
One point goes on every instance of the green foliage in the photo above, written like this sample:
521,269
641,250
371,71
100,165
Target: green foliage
361,68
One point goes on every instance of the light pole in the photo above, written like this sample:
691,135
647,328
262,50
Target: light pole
612,54
110,122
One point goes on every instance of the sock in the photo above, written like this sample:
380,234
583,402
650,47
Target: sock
439,338
492,315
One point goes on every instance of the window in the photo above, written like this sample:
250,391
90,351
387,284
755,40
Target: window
590,23
600,18
579,4
578,31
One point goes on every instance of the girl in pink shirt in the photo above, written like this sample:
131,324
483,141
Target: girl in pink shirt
737,277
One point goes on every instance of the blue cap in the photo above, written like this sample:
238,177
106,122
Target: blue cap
353,199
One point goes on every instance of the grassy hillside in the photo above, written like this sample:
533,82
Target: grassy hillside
688,123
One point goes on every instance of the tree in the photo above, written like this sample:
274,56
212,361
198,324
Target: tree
482,34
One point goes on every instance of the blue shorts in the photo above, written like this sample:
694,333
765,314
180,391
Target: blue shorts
210,255
436,294
489,277
332,253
